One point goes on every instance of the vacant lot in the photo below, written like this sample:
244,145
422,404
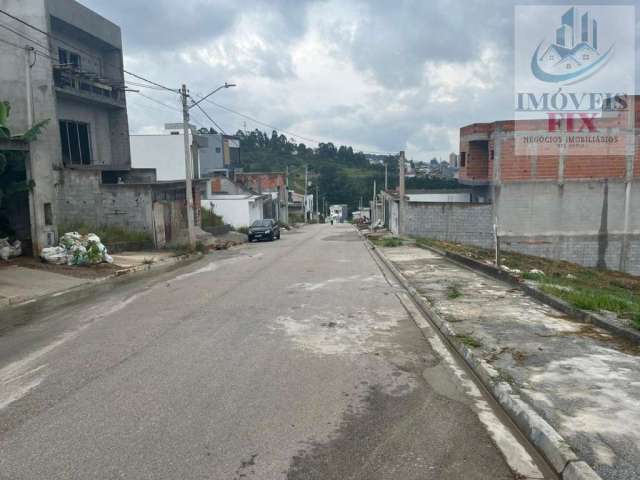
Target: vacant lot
584,287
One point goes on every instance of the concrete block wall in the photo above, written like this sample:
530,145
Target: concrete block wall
468,223
83,199
129,206
581,222
580,249
79,199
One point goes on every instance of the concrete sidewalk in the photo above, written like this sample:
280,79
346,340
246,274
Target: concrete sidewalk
27,280
583,381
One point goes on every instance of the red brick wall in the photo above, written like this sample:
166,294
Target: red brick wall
262,181
477,160
521,168
216,184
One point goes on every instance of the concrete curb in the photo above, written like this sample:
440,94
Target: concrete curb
540,433
10,310
534,292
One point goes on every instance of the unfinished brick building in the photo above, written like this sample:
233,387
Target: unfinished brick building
546,202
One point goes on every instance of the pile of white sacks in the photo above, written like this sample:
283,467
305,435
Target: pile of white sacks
9,250
76,249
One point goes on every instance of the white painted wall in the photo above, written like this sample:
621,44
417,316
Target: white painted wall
439,197
236,210
165,153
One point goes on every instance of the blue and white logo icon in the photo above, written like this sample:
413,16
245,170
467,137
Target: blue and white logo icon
574,56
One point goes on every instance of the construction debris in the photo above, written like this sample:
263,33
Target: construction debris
76,249
8,250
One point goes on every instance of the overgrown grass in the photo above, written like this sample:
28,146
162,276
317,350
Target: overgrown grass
108,234
387,241
469,341
583,287
296,218
453,292
210,219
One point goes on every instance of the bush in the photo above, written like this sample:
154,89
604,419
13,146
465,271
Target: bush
296,218
210,219
243,229
108,234
390,242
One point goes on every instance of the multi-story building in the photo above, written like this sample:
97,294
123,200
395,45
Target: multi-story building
212,153
63,63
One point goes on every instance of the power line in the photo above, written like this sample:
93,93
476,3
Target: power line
75,47
26,37
146,85
210,119
255,120
293,134
174,90
176,109
11,43
151,82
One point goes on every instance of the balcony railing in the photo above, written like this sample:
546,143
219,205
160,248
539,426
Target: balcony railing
89,86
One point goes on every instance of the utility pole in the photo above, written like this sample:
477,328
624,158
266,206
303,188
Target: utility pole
373,204
317,202
306,183
401,192
286,191
33,192
386,177
188,167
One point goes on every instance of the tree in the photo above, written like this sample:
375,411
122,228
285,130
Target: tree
13,170
343,176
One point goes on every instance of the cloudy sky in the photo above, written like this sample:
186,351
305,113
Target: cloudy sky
382,76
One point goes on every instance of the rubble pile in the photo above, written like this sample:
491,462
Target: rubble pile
76,249
9,250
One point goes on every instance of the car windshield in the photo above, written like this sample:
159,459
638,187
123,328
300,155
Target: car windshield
261,223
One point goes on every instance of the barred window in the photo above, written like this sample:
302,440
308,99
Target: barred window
75,138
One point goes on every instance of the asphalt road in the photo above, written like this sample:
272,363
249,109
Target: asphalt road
293,359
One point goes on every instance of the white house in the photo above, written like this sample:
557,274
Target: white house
237,205
237,210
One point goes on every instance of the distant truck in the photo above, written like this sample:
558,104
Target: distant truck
339,213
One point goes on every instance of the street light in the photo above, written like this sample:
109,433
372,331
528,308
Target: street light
187,156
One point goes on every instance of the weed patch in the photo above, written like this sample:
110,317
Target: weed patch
469,341
583,287
453,292
387,241
108,234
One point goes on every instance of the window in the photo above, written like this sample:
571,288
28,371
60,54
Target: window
217,149
48,214
491,154
76,143
65,57
463,159
586,56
